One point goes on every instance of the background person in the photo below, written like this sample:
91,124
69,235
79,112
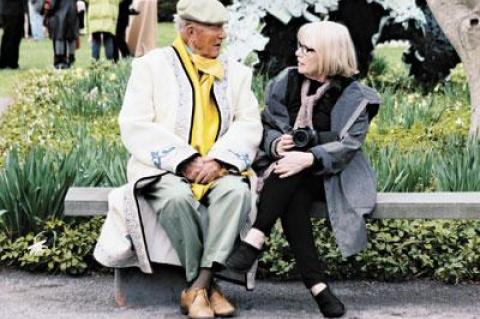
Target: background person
102,22
121,46
12,19
142,31
36,19
61,19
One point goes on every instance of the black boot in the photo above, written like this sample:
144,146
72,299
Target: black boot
242,258
329,304
60,62
71,60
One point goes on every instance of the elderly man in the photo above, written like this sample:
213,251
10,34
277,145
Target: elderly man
192,125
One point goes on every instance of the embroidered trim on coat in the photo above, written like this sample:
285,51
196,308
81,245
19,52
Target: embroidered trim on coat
244,157
220,92
158,155
185,97
134,227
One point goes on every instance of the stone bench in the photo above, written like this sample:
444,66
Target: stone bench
133,287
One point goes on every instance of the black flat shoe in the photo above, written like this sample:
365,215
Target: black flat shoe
242,258
329,304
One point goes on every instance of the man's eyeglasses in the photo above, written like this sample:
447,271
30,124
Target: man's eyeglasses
304,49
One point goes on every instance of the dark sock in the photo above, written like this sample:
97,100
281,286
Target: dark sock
203,280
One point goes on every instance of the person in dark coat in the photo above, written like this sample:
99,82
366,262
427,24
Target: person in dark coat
315,122
12,19
121,47
61,19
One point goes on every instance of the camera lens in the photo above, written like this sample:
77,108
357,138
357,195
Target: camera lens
300,138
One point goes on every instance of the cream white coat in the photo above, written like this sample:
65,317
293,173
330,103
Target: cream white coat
155,123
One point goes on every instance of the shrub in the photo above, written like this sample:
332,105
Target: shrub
58,247
398,249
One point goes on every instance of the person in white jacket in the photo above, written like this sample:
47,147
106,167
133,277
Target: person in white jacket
192,125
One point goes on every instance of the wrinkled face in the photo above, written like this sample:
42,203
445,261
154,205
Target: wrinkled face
307,60
206,40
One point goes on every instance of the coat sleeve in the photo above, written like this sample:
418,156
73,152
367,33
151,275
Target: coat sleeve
334,156
275,113
149,142
238,146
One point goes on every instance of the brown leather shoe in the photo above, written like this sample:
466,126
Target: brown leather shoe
220,304
195,304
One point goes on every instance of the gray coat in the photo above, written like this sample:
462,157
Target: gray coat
350,183
62,20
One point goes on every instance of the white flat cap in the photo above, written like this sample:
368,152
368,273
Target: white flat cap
203,11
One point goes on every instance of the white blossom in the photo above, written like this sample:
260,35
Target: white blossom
37,248
245,23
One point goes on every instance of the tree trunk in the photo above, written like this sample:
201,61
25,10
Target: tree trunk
460,21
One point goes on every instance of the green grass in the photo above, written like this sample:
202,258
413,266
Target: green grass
39,55
392,54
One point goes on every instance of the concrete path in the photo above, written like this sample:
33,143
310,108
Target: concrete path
24,295
4,103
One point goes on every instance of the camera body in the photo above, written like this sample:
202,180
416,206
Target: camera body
304,138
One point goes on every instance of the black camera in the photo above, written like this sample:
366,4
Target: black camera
304,138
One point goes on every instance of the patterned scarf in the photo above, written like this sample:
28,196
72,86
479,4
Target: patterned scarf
305,113
304,118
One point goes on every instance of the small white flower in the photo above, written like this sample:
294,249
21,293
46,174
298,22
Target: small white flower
37,248
459,122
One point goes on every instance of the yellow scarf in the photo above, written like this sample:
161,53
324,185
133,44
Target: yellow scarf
206,120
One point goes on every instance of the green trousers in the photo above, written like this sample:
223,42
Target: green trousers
201,235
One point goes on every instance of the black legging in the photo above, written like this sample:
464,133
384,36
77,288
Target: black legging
291,199
12,36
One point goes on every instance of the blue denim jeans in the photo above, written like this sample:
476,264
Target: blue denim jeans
108,43
36,22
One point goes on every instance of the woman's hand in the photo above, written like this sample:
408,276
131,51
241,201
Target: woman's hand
284,144
292,163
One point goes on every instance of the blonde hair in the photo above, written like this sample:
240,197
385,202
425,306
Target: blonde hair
333,45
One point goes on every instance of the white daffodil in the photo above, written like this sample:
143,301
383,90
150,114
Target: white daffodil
37,248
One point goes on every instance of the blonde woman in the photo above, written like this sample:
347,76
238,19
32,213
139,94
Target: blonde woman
315,123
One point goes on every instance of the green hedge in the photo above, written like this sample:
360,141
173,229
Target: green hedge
61,247
397,249
444,250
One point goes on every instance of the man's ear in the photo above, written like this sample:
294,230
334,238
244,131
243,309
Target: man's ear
190,29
